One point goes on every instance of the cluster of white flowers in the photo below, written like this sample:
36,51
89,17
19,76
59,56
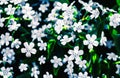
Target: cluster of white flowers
24,30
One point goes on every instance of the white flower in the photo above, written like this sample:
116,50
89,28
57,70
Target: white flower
68,13
8,55
69,68
59,26
16,1
42,46
56,62
81,63
16,43
5,39
115,20
75,54
66,59
90,41
73,75
43,7
1,22
42,60
103,39
65,40
27,11
35,72
112,56
13,26
3,2
33,24
10,10
28,49
6,72
95,13
38,34
85,75
78,27
86,6
23,67
118,69
47,75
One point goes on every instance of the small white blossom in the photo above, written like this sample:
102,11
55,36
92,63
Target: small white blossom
16,43
33,24
118,69
41,60
8,55
68,13
66,59
47,75
81,63
10,10
75,54
3,2
13,26
78,27
38,34
112,56
23,67
1,22
28,49
59,26
69,69
43,7
16,1
35,72
95,13
56,62
27,11
85,75
6,72
65,40
5,38
115,20
103,39
42,46
91,41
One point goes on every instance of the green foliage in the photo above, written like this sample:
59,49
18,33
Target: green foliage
50,47
62,1
118,2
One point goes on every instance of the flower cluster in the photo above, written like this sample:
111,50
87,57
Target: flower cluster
46,39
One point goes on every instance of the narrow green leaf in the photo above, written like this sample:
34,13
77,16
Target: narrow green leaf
118,62
50,47
94,57
55,71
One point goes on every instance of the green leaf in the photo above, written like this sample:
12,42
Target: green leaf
118,2
55,71
62,1
118,62
94,58
114,32
50,47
